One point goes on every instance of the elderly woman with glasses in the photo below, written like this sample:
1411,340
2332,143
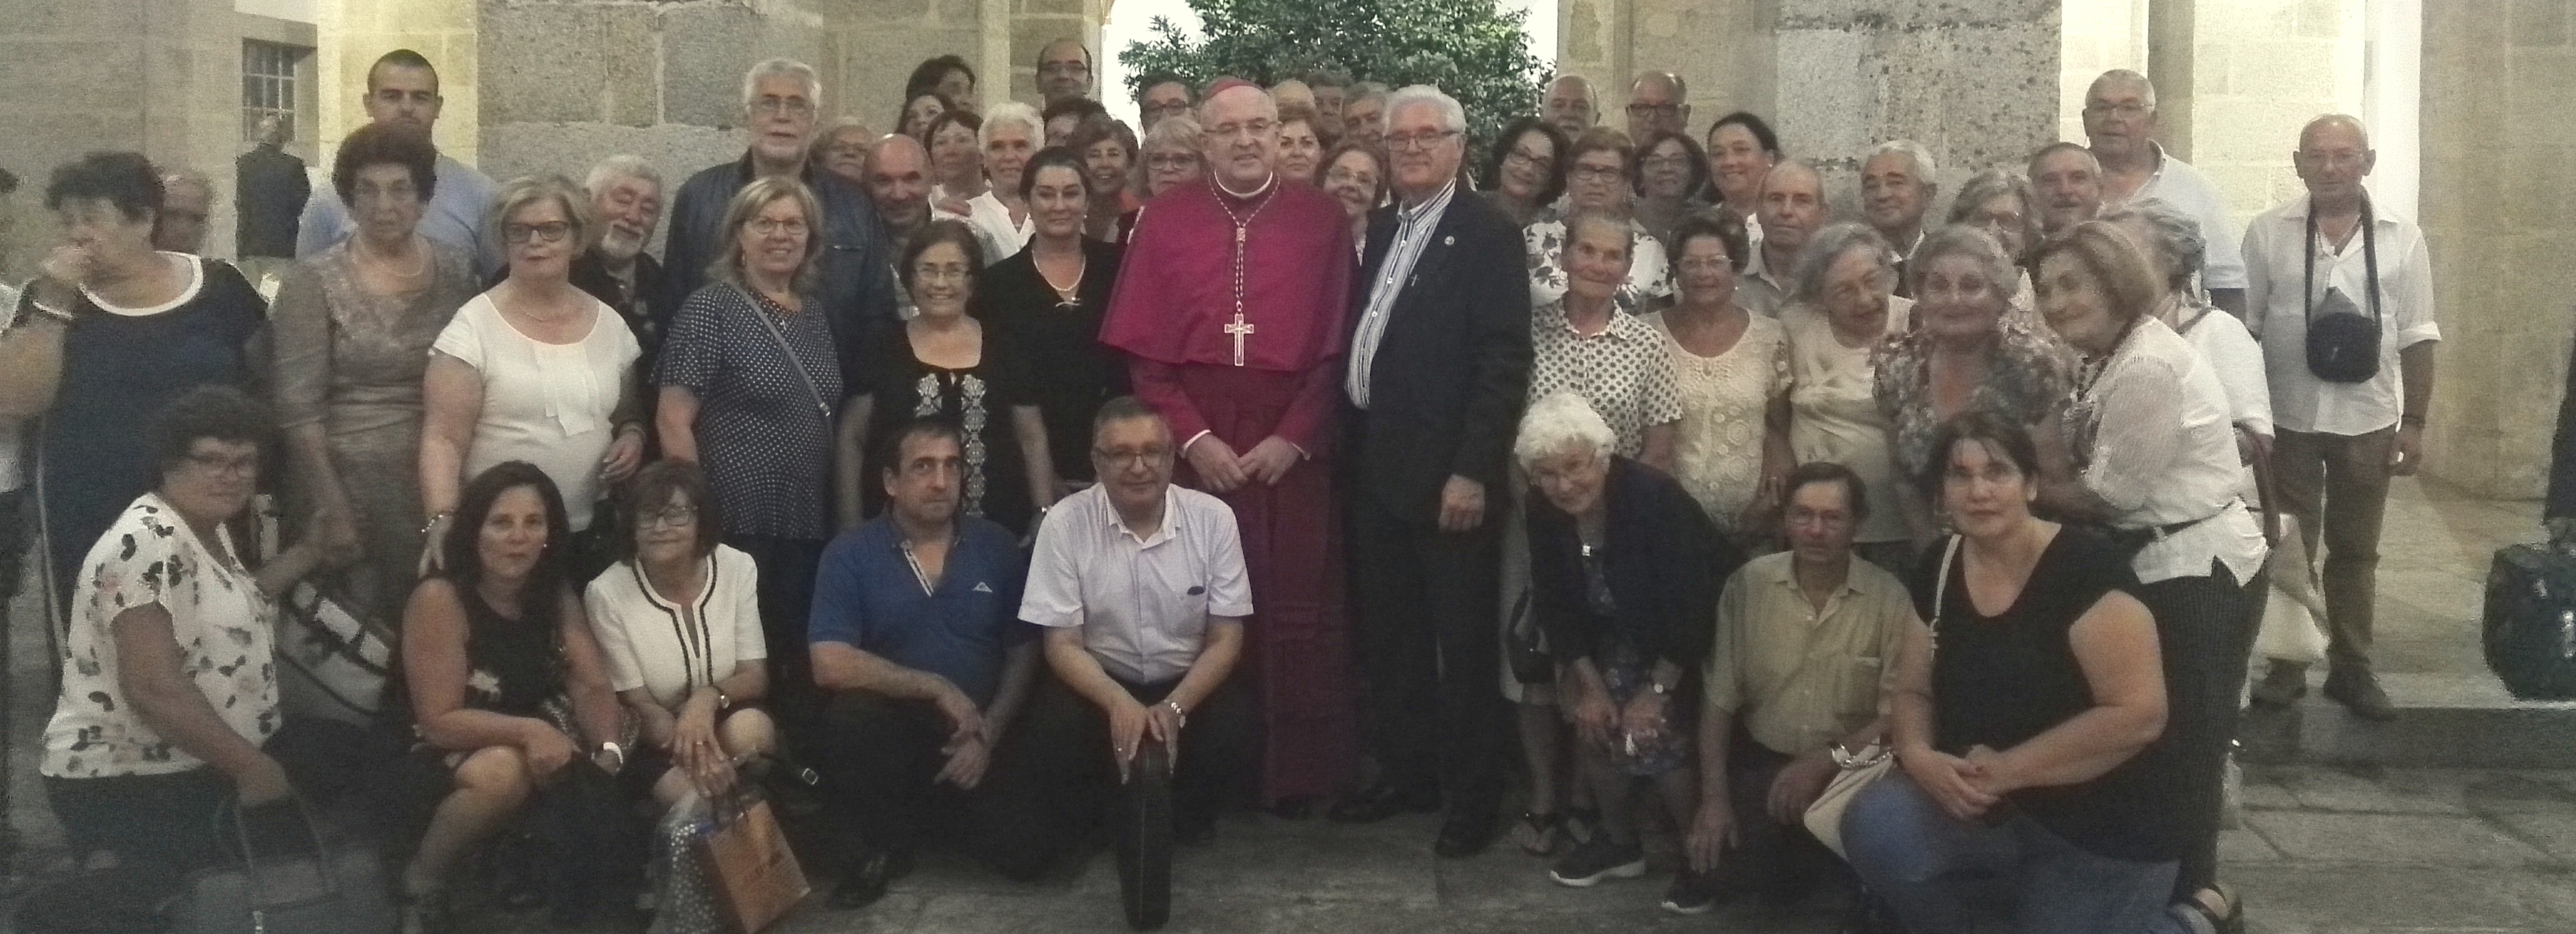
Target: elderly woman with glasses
1355,174
2001,202
1598,178
1171,156
678,624
534,370
1842,304
751,391
354,325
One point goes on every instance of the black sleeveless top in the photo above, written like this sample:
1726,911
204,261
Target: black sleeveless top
513,666
1998,681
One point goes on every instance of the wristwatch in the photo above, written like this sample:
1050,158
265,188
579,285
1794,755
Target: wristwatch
1179,716
724,701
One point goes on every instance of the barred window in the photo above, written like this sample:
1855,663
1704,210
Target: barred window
268,84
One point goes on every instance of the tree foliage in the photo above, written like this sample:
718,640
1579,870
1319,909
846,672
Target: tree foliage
1468,48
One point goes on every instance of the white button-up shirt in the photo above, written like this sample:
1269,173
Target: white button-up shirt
2185,189
2275,263
1413,227
1759,289
1143,604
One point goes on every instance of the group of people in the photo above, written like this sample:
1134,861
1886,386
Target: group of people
967,462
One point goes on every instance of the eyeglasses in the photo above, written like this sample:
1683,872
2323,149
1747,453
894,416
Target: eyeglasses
548,232
1654,110
796,106
766,226
1523,157
1169,108
1407,142
396,193
676,517
1675,161
1596,173
1171,160
243,466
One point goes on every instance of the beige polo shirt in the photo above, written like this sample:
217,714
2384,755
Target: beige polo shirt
1803,677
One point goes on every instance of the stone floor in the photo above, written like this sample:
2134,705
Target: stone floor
2351,849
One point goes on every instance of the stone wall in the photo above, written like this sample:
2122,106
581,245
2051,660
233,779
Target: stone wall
2261,69
354,33
2498,151
159,76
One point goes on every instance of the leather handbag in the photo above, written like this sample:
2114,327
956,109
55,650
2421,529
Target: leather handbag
1824,818
753,871
329,890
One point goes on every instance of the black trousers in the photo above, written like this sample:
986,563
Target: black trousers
787,569
1429,635
1069,737
1781,862
2206,631
879,757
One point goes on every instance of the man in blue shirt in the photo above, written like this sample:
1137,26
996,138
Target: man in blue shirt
402,91
915,642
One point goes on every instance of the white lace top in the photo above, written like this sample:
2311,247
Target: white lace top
2151,435
1717,448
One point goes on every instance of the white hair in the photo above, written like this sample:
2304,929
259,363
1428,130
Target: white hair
1453,117
189,175
1011,112
2146,88
782,68
1829,246
1925,170
1558,422
618,168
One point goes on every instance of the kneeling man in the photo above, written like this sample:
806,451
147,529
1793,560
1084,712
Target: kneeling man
1796,684
915,644
1141,587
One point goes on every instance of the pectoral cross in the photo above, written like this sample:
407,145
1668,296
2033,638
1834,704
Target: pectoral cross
1240,328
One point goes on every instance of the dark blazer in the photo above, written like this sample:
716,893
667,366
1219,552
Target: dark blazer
1451,372
269,192
1663,560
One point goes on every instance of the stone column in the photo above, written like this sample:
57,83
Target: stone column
2498,154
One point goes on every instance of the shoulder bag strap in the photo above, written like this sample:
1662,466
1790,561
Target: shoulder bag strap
1941,589
793,362
2369,261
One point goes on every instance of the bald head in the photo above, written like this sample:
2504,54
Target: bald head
1293,91
1792,207
1570,105
1240,140
1656,104
898,180
2334,157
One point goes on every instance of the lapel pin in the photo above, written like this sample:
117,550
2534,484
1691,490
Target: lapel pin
1451,240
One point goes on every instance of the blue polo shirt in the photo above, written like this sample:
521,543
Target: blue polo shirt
866,596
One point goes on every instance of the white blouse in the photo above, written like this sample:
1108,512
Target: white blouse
992,222
547,404
2153,438
1834,414
651,643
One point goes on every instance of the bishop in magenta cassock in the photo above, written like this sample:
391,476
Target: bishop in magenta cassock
1230,309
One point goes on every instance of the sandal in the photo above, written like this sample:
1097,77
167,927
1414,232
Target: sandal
1538,834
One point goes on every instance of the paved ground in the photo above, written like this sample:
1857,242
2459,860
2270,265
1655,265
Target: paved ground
2326,850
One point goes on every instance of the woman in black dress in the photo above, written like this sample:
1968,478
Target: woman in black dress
1041,311
939,364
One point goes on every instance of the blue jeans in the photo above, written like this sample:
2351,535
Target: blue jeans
1924,864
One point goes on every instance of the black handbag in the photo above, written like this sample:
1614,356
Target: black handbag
2343,346
2530,624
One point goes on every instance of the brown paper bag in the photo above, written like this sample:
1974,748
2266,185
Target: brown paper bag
754,873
